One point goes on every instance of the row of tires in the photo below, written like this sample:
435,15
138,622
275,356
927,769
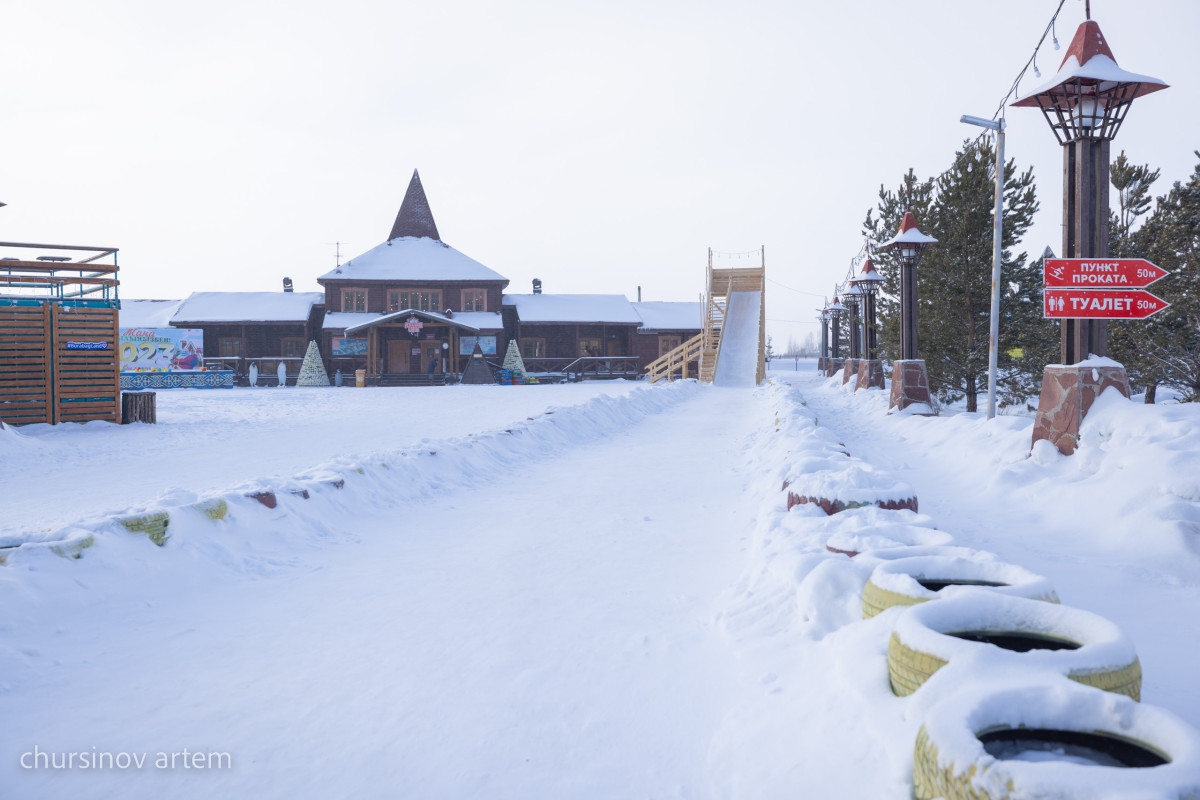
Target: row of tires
1030,698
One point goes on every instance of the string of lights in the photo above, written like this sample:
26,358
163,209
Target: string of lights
791,289
1052,31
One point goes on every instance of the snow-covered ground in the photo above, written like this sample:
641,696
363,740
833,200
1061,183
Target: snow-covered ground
528,592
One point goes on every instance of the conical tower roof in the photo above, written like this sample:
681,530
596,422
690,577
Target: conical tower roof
415,218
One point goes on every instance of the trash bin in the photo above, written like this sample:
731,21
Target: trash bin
360,378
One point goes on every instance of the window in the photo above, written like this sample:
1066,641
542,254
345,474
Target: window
474,300
420,299
668,343
589,347
354,299
293,347
533,348
230,347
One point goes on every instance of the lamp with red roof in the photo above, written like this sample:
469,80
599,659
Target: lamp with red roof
1085,104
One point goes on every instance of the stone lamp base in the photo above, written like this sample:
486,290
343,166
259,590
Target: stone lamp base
849,370
1068,391
870,374
910,386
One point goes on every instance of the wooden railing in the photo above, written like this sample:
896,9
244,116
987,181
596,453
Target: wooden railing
676,362
584,367
58,277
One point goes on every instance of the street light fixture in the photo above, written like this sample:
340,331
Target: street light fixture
853,295
910,242
997,127
869,282
1085,104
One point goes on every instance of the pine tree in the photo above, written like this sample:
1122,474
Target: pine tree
954,278
1126,338
1171,238
312,369
512,357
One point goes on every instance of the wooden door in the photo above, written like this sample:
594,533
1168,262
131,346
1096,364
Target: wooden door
397,356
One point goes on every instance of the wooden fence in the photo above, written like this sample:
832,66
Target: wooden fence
58,363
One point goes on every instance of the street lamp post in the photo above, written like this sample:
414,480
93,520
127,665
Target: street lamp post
1084,103
836,309
870,369
910,380
851,295
997,127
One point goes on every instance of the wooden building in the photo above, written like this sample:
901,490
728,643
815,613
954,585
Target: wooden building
412,308
263,329
665,326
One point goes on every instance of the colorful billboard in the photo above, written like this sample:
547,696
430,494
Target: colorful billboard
161,350
466,345
344,346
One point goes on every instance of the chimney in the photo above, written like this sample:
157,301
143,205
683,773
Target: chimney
537,285
287,284
639,294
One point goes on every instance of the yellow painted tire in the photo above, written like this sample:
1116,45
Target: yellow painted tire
923,642
153,525
951,760
898,582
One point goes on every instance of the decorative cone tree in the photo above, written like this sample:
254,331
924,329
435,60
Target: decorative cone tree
312,370
512,357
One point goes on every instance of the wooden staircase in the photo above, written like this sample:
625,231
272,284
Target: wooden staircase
706,347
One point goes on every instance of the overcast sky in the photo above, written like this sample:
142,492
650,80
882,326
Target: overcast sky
598,146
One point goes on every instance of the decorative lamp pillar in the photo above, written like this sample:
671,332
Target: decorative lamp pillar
870,368
823,316
910,380
869,281
836,310
851,295
1084,103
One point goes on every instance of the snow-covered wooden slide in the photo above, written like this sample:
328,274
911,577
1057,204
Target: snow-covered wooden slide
737,364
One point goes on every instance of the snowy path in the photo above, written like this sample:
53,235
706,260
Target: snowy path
548,634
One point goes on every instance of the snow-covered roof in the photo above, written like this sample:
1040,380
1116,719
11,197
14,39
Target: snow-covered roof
247,307
148,313
670,316
478,320
577,308
1090,60
340,320
413,258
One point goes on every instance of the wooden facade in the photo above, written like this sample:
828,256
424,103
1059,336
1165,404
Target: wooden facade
59,359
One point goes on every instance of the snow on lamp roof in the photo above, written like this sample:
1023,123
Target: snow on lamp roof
410,258
415,217
909,233
1090,62
247,307
869,274
670,316
576,308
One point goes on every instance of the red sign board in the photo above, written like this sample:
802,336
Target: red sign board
413,325
1100,273
1090,304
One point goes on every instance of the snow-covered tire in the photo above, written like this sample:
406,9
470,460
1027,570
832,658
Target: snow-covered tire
928,637
952,761
852,542
899,582
153,525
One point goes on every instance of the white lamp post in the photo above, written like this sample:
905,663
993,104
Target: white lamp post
996,126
